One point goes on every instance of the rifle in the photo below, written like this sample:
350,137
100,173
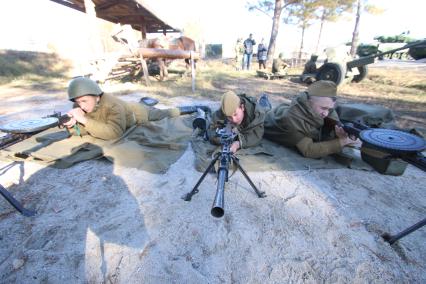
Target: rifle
397,143
227,137
21,130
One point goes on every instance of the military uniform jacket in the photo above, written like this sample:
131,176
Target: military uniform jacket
278,65
250,131
111,118
298,126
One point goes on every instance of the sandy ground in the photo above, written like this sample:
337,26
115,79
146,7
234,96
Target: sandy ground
98,223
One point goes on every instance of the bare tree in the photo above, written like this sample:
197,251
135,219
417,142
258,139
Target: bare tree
267,7
303,15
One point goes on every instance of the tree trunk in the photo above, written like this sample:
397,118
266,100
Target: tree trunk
320,31
301,43
275,26
355,33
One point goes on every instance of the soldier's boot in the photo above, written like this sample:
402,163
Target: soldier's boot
264,102
192,109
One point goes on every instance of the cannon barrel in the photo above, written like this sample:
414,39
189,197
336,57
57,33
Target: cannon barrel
370,59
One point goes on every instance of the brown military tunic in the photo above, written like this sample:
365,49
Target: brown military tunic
250,131
298,126
112,117
278,65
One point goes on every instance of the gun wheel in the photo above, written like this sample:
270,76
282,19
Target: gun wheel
331,72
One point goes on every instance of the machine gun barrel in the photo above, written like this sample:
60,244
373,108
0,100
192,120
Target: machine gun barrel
219,199
222,177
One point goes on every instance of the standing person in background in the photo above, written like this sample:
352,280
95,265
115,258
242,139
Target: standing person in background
239,52
249,44
262,53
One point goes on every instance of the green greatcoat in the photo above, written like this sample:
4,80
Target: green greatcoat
298,126
112,117
251,129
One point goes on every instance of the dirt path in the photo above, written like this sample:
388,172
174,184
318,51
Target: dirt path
99,223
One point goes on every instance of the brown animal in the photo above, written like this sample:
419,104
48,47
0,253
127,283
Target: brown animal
181,43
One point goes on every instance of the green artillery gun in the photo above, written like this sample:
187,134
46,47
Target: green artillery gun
354,70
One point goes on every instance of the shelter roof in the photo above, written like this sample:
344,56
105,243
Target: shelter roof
130,12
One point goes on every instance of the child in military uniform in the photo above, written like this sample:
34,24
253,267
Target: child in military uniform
106,117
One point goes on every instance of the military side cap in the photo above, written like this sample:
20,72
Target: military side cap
323,89
229,103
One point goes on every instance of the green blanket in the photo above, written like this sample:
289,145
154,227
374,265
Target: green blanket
271,156
152,147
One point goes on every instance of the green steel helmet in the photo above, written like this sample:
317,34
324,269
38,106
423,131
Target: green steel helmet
82,86
281,55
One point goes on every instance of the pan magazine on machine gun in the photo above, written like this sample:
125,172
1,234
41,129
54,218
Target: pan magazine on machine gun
397,143
18,131
224,159
24,129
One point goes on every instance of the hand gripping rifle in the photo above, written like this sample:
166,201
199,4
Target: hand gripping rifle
224,158
21,130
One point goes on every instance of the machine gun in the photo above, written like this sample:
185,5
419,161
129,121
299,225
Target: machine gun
21,130
24,129
224,158
397,143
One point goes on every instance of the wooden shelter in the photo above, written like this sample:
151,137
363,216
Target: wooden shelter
136,14
125,12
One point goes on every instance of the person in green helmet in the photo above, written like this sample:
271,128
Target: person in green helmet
106,117
279,66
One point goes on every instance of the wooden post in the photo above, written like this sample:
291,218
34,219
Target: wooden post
143,28
145,69
192,71
95,41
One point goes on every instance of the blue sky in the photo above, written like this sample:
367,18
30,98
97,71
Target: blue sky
221,21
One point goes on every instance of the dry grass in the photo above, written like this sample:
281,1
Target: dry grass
31,66
402,90
391,84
